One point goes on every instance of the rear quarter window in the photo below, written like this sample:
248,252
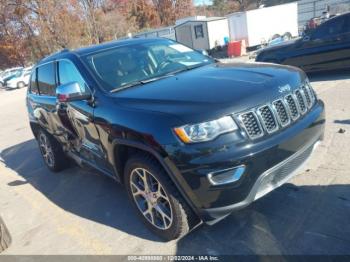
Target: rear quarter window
46,79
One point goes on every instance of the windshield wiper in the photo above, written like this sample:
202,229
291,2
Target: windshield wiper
139,82
185,68
125,86
155,78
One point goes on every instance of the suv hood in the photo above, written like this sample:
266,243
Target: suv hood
211,91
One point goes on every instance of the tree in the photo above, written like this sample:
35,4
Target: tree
224,7
145,14
184,8
171,10
32,29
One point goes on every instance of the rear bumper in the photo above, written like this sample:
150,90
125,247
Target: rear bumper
269,162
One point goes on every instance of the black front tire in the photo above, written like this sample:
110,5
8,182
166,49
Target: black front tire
51,151
183,218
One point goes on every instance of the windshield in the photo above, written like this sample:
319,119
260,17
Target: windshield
135,63
14,74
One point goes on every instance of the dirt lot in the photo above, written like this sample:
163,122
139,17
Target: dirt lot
80,212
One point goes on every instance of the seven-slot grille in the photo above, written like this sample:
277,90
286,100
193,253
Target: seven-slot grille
280,113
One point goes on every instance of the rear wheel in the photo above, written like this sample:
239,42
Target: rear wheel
20,85
156,199
51,152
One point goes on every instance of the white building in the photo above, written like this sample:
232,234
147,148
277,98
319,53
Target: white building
202,32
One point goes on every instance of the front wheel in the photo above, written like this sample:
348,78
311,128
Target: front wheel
156,199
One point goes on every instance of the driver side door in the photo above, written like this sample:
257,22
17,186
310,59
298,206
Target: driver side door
78,121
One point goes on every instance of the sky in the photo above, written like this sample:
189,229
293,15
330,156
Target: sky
200,2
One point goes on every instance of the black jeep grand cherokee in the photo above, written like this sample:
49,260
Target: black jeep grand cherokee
191,138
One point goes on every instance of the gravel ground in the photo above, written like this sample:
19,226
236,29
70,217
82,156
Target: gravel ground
80,212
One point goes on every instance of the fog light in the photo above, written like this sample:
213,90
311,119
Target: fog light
226,176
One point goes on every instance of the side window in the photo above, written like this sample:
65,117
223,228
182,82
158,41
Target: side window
198,30
67,73
33,83
46,79
329,29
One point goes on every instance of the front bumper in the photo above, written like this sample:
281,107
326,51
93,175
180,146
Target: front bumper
269,163
268,181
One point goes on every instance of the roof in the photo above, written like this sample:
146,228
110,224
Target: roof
208,19
154,30
93,48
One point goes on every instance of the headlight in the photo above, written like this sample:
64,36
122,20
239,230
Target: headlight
205,131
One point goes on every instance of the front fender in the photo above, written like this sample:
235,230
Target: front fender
166,163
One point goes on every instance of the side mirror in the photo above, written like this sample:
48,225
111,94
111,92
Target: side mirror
71,92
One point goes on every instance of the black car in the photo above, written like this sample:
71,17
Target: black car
191,138
325,48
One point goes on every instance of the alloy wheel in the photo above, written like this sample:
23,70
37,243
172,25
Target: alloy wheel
151,198
46,150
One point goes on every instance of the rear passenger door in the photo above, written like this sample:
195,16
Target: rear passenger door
42,98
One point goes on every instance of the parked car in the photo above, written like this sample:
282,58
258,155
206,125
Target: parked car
327,47
19,79
7,73
192,139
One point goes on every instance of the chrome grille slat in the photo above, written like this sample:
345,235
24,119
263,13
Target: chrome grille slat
301,101
312,95
251,124
268,119
271,117
307,96
292,106
281,112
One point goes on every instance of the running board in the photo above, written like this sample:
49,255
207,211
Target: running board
81,162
